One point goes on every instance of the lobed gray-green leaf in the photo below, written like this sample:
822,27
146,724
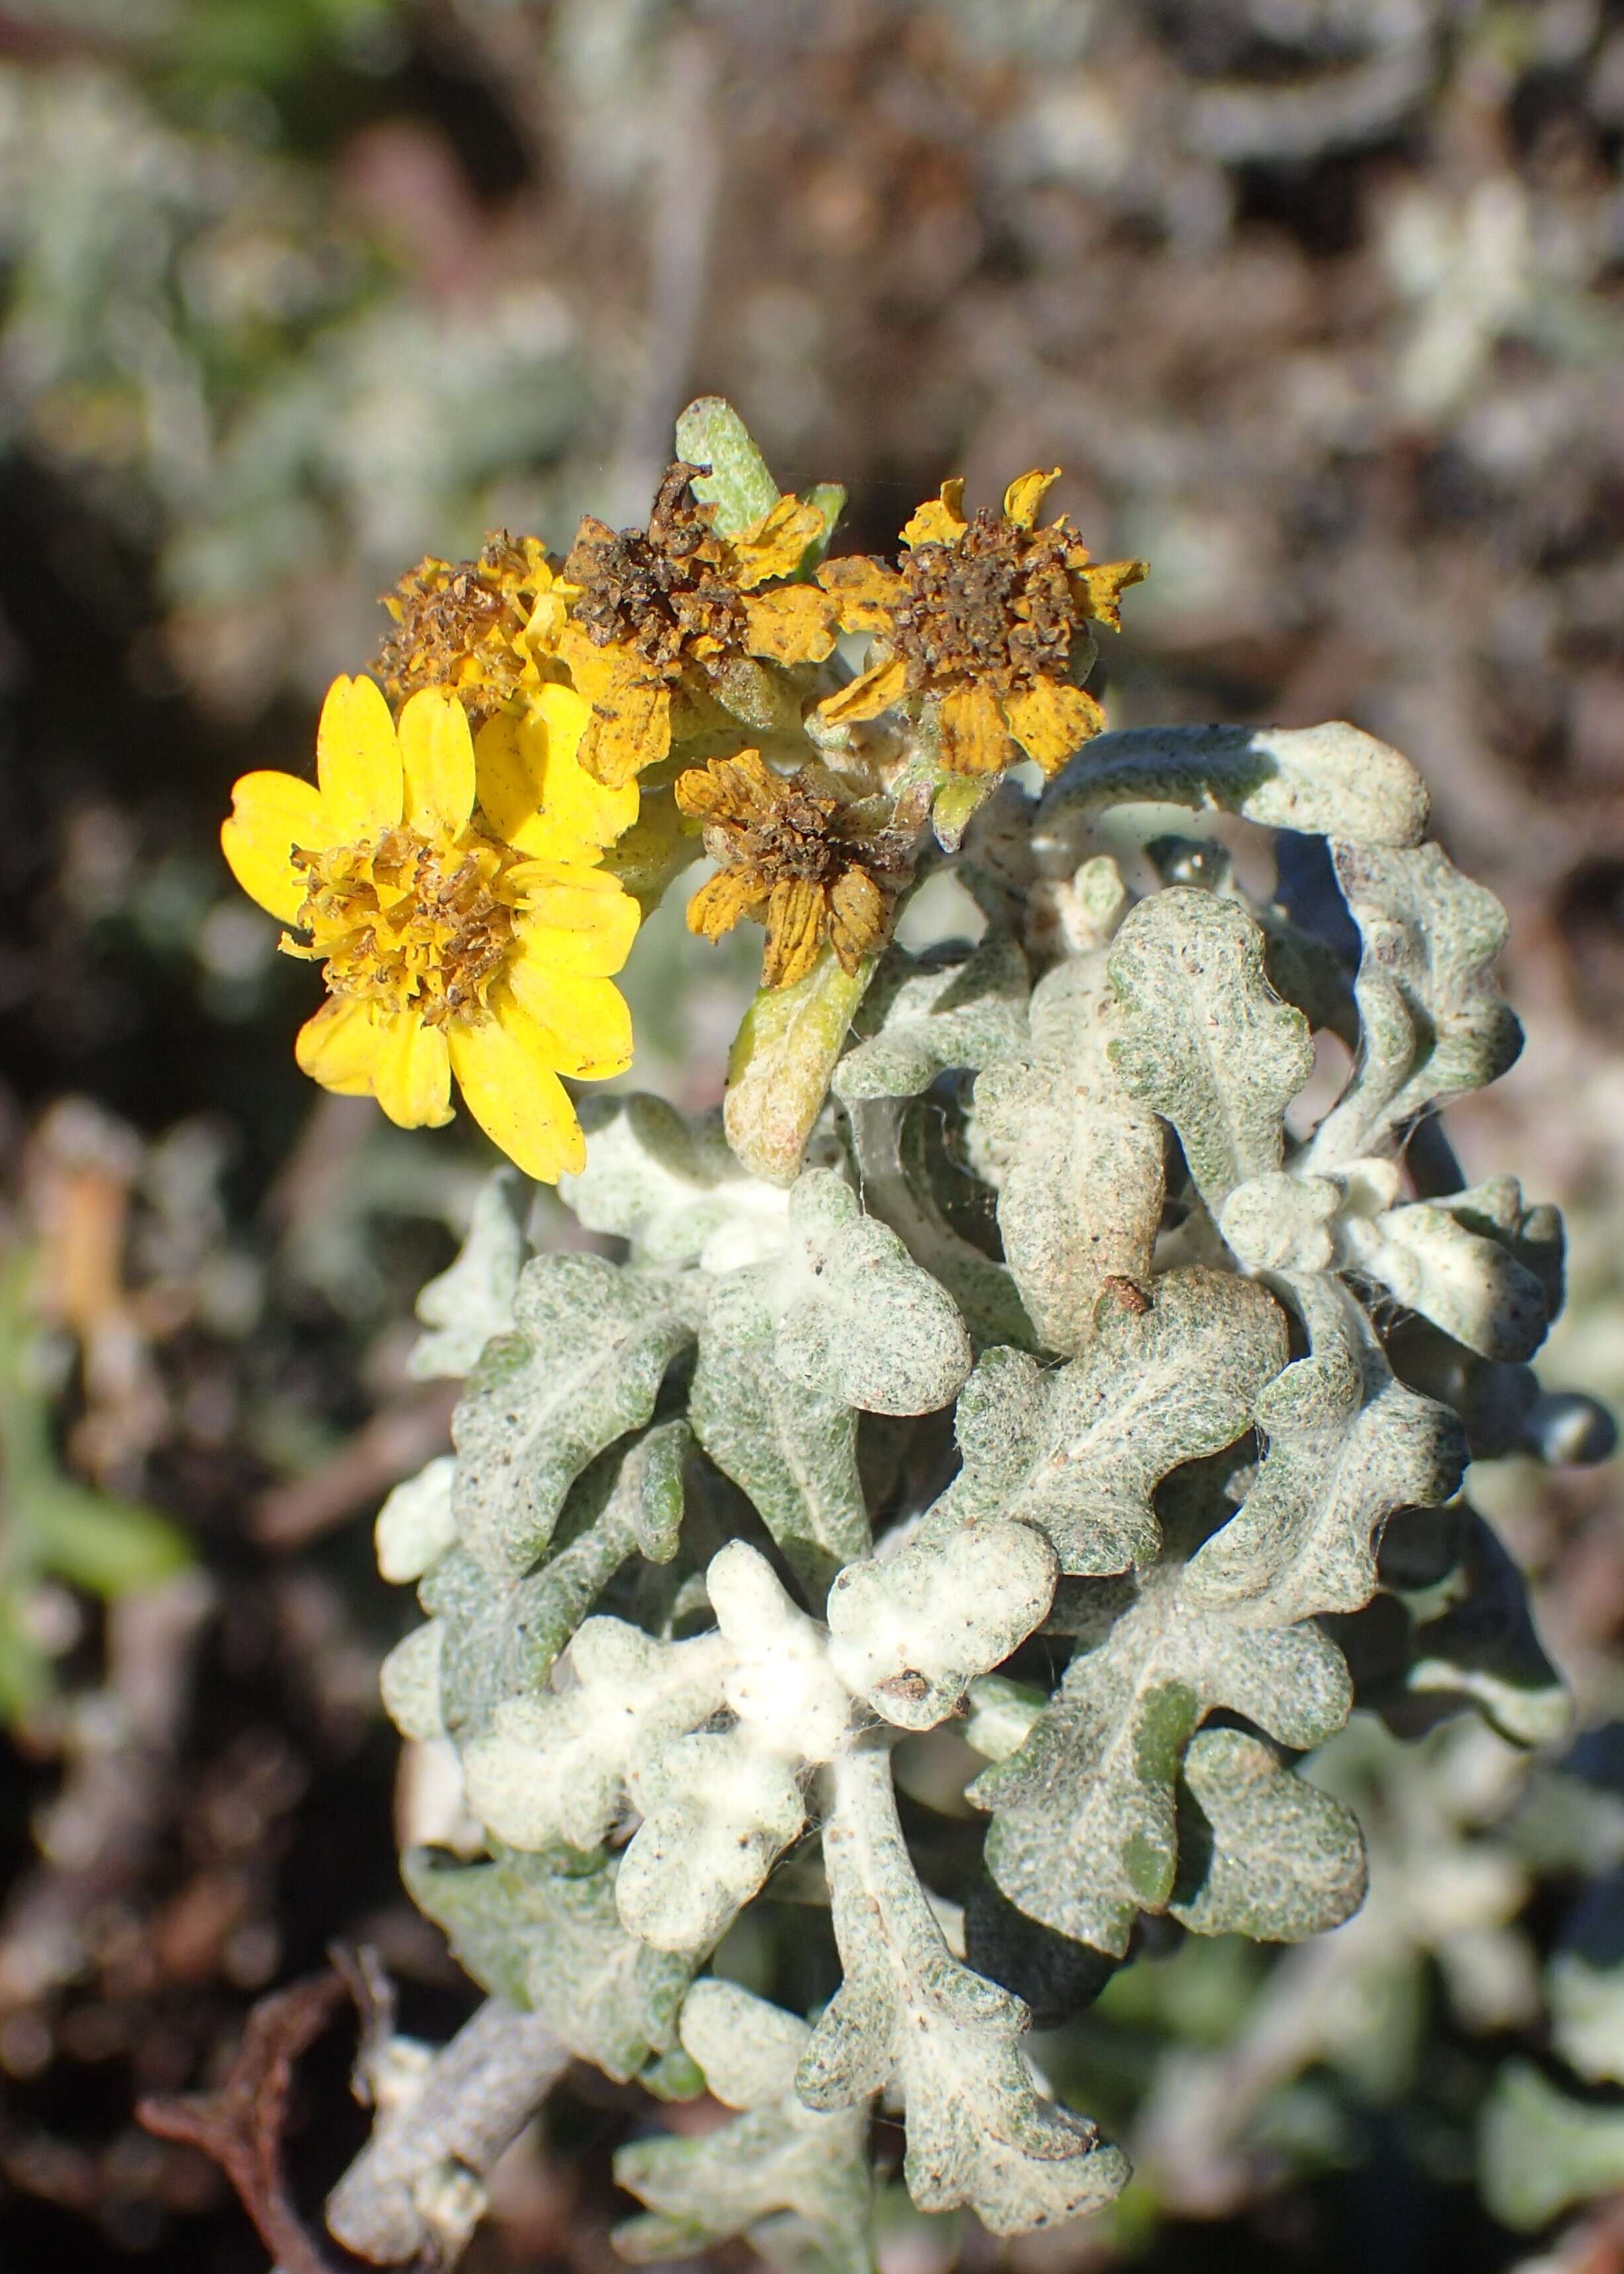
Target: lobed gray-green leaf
590,1347
918,1021
1260,1853
1078,1451
1204,1038
542,1931
473,1301
1077,1159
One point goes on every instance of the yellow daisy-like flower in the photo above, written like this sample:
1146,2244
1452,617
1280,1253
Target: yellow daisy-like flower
979,623
468,625
655,607
450,888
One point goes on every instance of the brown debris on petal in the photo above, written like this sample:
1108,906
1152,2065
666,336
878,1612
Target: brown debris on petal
459,624
810,864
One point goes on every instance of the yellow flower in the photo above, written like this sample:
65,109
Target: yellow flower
979,625
804,859
467,625
450,888
671,604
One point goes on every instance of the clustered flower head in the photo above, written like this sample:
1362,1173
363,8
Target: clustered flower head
460,867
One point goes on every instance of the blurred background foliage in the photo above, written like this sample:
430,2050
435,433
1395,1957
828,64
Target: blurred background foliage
1320,304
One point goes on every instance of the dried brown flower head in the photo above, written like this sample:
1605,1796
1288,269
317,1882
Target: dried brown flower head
460,624
980,621
649,607
809,864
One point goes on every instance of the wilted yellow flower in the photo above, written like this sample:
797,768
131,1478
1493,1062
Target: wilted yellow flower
807,862
462,625
450,889
979,622
676,601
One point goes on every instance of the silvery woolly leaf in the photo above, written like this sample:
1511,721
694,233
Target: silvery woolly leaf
542,1932
1260,1852
918,1021
416,1525
978,2130
909,1632
1585,1983
779,1067
1084,1831
1346,1446
473,1301
1472,1283
900,1177
1078,1451
671,1186
1481,1648
1541,2150
1432,1019
793,1451
865,1324
1077,1160
500,1635
1202,1036
1332,780
793,2180
710,433
583,1365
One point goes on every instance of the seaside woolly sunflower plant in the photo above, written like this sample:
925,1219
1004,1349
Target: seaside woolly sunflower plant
1015,1434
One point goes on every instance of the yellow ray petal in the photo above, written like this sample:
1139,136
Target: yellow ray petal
630,725
1025,493
505,1068
1050,720
1099,590
437,763
795,931
774,546
876,690
857,914
533,788
974,740
865,591
940,520
411,1076
582,919
357,762
587,1018
339,1048
796,624
721,901
270,814
741,789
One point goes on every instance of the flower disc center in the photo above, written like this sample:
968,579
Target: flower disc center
408,923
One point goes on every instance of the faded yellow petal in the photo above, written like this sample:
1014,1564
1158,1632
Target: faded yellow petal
857,917
874,691
270,814
505,1068
411,1073
940,520
775,545
721,901
865,591
1025,493
532,788
437,766
582,919
974,740
630,725
743,787
796,624
1050,720
795,917
1099,590
339,1047
359,761
587,1018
